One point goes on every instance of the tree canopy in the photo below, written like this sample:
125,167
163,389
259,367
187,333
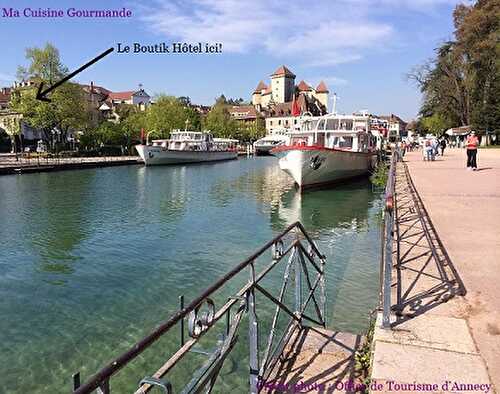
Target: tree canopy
460,85
67,108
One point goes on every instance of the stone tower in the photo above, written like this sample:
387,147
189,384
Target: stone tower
282,85
322,94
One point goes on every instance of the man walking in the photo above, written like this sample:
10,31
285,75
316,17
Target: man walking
471,145
443,146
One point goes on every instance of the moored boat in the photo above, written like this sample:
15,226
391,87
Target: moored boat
329,149
264,145
187,147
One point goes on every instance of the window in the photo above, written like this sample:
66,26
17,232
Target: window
270,123
332,124
346,124
345,142
286,122
321,125
279,122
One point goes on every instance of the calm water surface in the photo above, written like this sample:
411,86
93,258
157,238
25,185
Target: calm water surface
92,260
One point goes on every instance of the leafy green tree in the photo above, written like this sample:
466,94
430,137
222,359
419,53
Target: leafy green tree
132,126
460,86
44,65
436,124
67,109
169,113
219,121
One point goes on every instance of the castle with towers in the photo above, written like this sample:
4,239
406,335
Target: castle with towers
276,100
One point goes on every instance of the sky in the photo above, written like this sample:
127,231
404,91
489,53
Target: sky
362,49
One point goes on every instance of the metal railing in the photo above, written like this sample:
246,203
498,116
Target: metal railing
304,266
387,238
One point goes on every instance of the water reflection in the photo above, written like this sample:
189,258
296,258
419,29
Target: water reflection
345,207
92,260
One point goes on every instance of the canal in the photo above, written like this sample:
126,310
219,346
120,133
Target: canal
92,260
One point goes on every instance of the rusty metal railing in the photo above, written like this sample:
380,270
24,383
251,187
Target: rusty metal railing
304,266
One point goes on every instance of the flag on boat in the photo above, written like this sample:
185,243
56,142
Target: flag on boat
142,135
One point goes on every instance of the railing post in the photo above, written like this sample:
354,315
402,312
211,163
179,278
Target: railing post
76,380
181,306
104,388
322,287
387,252
253,335
298,279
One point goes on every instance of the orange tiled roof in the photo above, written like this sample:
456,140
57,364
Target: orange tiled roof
283,70
243,111
302,86
321,88
121,95
260,87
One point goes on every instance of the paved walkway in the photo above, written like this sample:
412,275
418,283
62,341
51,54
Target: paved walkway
437,334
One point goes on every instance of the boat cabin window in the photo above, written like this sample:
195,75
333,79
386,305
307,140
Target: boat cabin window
345,142
346,124
332,124
301,141
321,124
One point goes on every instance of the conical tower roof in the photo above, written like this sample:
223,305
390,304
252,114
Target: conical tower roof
322,88
283,71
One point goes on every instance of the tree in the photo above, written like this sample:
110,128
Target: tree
435,124
477,32
460,86
67,109
45,65
11,123
169,113
219,121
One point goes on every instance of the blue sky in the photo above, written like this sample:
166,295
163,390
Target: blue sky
361,48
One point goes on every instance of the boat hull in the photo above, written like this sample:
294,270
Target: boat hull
263,150
311,167
156,155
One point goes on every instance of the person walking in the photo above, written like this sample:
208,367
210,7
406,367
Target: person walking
471,145
443,146
435,145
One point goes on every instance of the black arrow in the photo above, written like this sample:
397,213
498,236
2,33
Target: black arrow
40,95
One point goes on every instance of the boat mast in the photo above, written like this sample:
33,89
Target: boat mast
334,106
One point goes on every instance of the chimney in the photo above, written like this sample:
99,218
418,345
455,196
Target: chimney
92,86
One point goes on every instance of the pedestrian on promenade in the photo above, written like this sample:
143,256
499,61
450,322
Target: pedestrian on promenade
443,146
435,145
471,145
428,151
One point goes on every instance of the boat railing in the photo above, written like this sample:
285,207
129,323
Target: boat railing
387,238
293,302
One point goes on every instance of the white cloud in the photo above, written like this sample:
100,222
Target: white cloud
330,81
321,33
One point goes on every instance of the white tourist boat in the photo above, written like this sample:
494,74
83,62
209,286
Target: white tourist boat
276,138
187,147
328,149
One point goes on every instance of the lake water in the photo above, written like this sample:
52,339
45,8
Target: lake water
93,260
